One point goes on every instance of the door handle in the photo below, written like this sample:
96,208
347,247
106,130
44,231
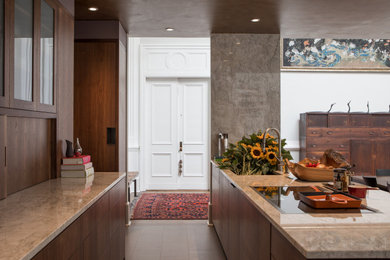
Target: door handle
180,167
180,146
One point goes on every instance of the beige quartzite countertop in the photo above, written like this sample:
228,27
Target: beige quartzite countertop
31,218
326,235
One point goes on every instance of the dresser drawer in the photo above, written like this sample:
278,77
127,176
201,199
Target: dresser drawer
338,120
322,144
318,155
384,132
360,120
381,120
327,132
364,132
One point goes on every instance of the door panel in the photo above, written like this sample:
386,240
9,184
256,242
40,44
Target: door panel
161,132
176,112
193,132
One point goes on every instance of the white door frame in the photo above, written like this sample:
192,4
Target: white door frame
163,58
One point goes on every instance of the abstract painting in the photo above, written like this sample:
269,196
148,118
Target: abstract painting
336,54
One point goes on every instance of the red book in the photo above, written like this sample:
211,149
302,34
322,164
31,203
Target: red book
83,159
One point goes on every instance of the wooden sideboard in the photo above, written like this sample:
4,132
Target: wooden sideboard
364,139
99,233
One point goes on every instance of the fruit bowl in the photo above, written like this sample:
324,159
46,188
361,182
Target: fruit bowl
310,173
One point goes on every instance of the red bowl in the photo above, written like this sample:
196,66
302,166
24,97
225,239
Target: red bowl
359,192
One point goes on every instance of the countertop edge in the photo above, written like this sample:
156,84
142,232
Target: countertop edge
67,223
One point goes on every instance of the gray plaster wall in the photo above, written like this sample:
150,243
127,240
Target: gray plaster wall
245,84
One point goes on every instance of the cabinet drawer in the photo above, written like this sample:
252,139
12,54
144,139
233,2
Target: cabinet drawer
384,132
317,155
381,120
322,144
338,120
327,132
364,133
320,120
360,120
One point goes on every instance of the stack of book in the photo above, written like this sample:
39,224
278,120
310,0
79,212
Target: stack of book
77,167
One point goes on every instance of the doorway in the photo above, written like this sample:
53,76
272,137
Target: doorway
176,137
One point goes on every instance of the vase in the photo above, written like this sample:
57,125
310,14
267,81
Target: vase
69,149
77,149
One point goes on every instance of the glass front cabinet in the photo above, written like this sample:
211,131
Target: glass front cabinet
28,46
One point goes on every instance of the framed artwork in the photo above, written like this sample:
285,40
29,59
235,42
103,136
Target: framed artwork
335,54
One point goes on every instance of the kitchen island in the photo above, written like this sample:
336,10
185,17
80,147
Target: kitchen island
66,218
250,227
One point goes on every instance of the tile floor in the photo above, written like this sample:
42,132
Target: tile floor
172,239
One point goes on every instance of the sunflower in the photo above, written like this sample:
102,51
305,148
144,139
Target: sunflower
256,152
271,157
274,142
244,145
260,136
225,159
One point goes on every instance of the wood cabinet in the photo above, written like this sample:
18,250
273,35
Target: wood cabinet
243,231
36,93
100,98
362,138
99,233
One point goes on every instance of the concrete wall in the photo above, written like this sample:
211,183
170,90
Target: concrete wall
245,84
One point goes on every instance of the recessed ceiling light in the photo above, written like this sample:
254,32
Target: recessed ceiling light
238,43
255,20
93,9
169,29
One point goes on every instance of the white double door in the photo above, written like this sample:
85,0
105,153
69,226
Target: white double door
176,147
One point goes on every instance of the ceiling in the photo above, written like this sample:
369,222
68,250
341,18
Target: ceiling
200,18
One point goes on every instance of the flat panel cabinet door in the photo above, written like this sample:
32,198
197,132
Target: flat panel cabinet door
234,222
361,156
382,155
3,167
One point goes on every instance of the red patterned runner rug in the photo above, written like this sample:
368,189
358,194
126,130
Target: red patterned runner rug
172,206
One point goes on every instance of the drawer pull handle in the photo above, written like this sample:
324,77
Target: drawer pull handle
329,132
313,145
341,145
314,132
371,133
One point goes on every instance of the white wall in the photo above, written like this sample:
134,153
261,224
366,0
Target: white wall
316,91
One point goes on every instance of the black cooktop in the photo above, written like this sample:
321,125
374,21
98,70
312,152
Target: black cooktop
286,200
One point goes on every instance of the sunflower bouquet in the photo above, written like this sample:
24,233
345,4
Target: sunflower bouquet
246,157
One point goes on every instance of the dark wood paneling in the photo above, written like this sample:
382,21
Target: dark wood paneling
96,108
381,120
29,152
3,168
64,81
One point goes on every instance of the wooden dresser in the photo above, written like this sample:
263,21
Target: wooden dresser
364,139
